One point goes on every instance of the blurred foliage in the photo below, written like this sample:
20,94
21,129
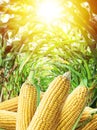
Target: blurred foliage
29,44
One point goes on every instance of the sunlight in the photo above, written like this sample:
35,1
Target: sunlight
48,11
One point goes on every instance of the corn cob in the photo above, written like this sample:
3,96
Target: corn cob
86,117
26,106
92,125
87,114
72,109
45,114
12,104
7,120
9,105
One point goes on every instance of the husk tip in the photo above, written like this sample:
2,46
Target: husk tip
67,75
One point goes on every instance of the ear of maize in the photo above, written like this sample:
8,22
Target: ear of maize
92,125
7,120
72,109
12,104
47,110
26,106
9,105
86,116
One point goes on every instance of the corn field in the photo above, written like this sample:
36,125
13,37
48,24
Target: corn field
48,65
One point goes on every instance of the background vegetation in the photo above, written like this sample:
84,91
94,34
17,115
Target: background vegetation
29,46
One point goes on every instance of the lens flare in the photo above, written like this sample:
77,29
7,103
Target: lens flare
48,11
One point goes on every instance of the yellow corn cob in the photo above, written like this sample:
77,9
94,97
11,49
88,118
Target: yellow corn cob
7,120
45,114
12,104
9,105
86,117
92,125
87,113
72,109
26,106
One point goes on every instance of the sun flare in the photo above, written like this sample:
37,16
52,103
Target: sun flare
49,11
